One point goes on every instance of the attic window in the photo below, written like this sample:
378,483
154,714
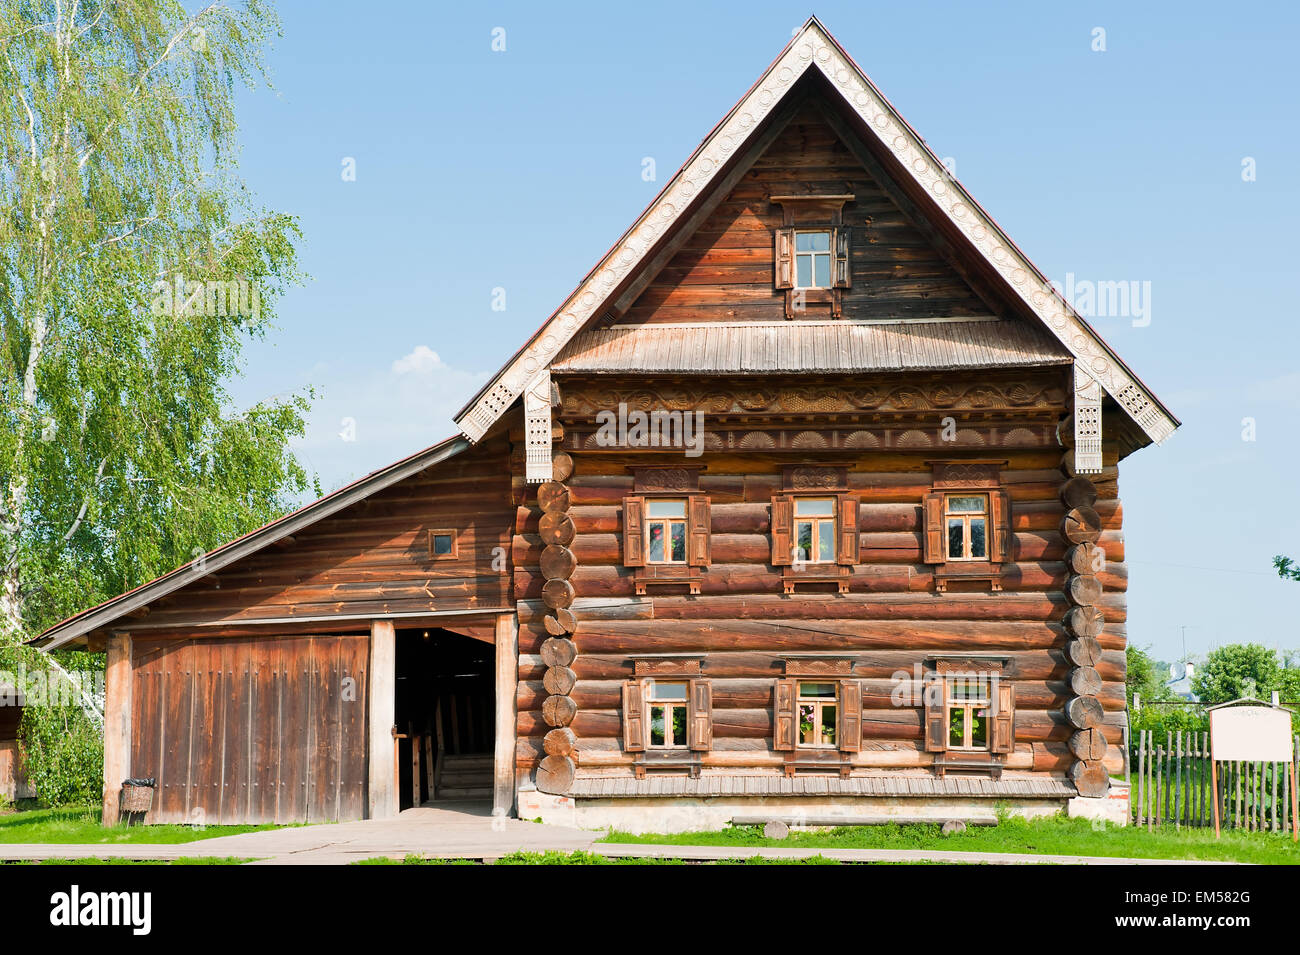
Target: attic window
812,259
442,545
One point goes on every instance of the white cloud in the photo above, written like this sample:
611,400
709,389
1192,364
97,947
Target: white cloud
422,360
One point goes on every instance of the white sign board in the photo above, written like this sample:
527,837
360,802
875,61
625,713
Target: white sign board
1251,733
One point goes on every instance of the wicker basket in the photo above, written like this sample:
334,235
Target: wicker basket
137,795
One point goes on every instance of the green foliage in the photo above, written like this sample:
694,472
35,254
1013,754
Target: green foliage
1237,670
81,824
1286,568
120,454
1141,676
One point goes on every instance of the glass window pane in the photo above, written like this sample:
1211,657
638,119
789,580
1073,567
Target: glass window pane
656,726
665,508
826,540
441,544
679,541
807,726
667,691
966,505
679,725
822,272
957,726
978,547
955,539
828,723
803,271
820,690
815,506
803,539
656,541
979,727
812,241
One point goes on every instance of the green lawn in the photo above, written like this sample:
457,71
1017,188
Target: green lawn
82,825
1053,836
184,860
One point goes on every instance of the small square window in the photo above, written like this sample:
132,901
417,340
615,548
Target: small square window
966,526
442,545
812,259
814,529
667,703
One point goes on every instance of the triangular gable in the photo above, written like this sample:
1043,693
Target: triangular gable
814,49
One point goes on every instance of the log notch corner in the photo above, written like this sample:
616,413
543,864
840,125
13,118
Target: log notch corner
558,767
1081,528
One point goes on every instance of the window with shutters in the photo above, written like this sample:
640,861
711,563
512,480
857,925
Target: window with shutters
816,538
811,256
818,709
969,708
668,707
814,530
966,522
665,532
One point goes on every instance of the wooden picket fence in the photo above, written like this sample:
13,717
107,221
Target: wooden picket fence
1172,786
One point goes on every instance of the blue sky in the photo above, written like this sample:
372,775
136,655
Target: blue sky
478,170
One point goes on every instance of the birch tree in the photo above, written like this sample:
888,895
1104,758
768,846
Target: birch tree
134,267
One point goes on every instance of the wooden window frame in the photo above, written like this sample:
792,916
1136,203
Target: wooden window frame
965,517
815,521
636,541
813,256
454,554
939,702
844,517
819,703
967,706
967,478
684,704
668,522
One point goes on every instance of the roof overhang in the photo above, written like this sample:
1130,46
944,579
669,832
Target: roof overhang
813,50
113,610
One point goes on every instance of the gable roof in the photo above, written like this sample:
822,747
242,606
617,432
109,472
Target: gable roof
80,624
813,51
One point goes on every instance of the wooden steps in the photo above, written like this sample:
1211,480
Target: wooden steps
467,776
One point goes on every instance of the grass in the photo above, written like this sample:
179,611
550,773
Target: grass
1050,836
81,825
183,860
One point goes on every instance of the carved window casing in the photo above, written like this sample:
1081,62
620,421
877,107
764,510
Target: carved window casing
970,714
814,528
667,528
966,524
667,713
811,255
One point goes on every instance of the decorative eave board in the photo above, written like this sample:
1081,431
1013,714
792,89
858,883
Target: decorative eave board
813,48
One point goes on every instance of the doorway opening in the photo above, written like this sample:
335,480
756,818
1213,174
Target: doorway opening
445,705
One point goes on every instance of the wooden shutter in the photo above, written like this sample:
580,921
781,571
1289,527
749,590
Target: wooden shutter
784,718
784,258
634,532
936,716
932,523
699,729
843,275
1004,717
782,530
846,550
1000,525
698,520
850,728
633,717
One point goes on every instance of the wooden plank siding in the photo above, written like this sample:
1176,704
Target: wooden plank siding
252,730
724,270
373,557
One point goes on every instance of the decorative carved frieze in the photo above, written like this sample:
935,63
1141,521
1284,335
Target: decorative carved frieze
850,438
537,429
665,479
1087,423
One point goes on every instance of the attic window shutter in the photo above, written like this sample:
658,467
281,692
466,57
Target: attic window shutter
1000,519
936,716
846,550
784,258
850,728
699,519
700,726
783,716
782,530
633,717
932,520
1004,718
633,532
840,238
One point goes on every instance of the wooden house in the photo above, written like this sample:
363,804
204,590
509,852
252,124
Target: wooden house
803,504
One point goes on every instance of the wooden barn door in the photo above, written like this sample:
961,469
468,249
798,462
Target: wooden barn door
252,730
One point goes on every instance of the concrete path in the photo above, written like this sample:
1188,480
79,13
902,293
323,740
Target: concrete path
468,830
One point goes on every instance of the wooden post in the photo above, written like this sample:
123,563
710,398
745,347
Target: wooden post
383,712
1214,792
117,724
507,677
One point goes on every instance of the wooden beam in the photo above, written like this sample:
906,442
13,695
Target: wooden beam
117,724
507,677
383,712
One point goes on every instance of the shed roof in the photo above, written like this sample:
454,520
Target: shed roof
830,346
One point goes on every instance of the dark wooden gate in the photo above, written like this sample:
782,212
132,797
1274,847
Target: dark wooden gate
251,729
